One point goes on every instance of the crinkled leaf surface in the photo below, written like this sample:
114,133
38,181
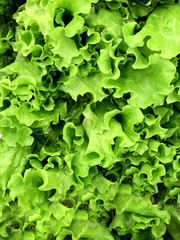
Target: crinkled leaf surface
89,120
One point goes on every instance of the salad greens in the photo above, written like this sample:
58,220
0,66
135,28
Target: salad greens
90,119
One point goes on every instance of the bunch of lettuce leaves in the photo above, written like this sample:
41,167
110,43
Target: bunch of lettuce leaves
90,120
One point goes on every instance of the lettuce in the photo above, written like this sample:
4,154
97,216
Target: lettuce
89,120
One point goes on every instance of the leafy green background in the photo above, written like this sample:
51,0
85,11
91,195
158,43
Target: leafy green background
89,120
